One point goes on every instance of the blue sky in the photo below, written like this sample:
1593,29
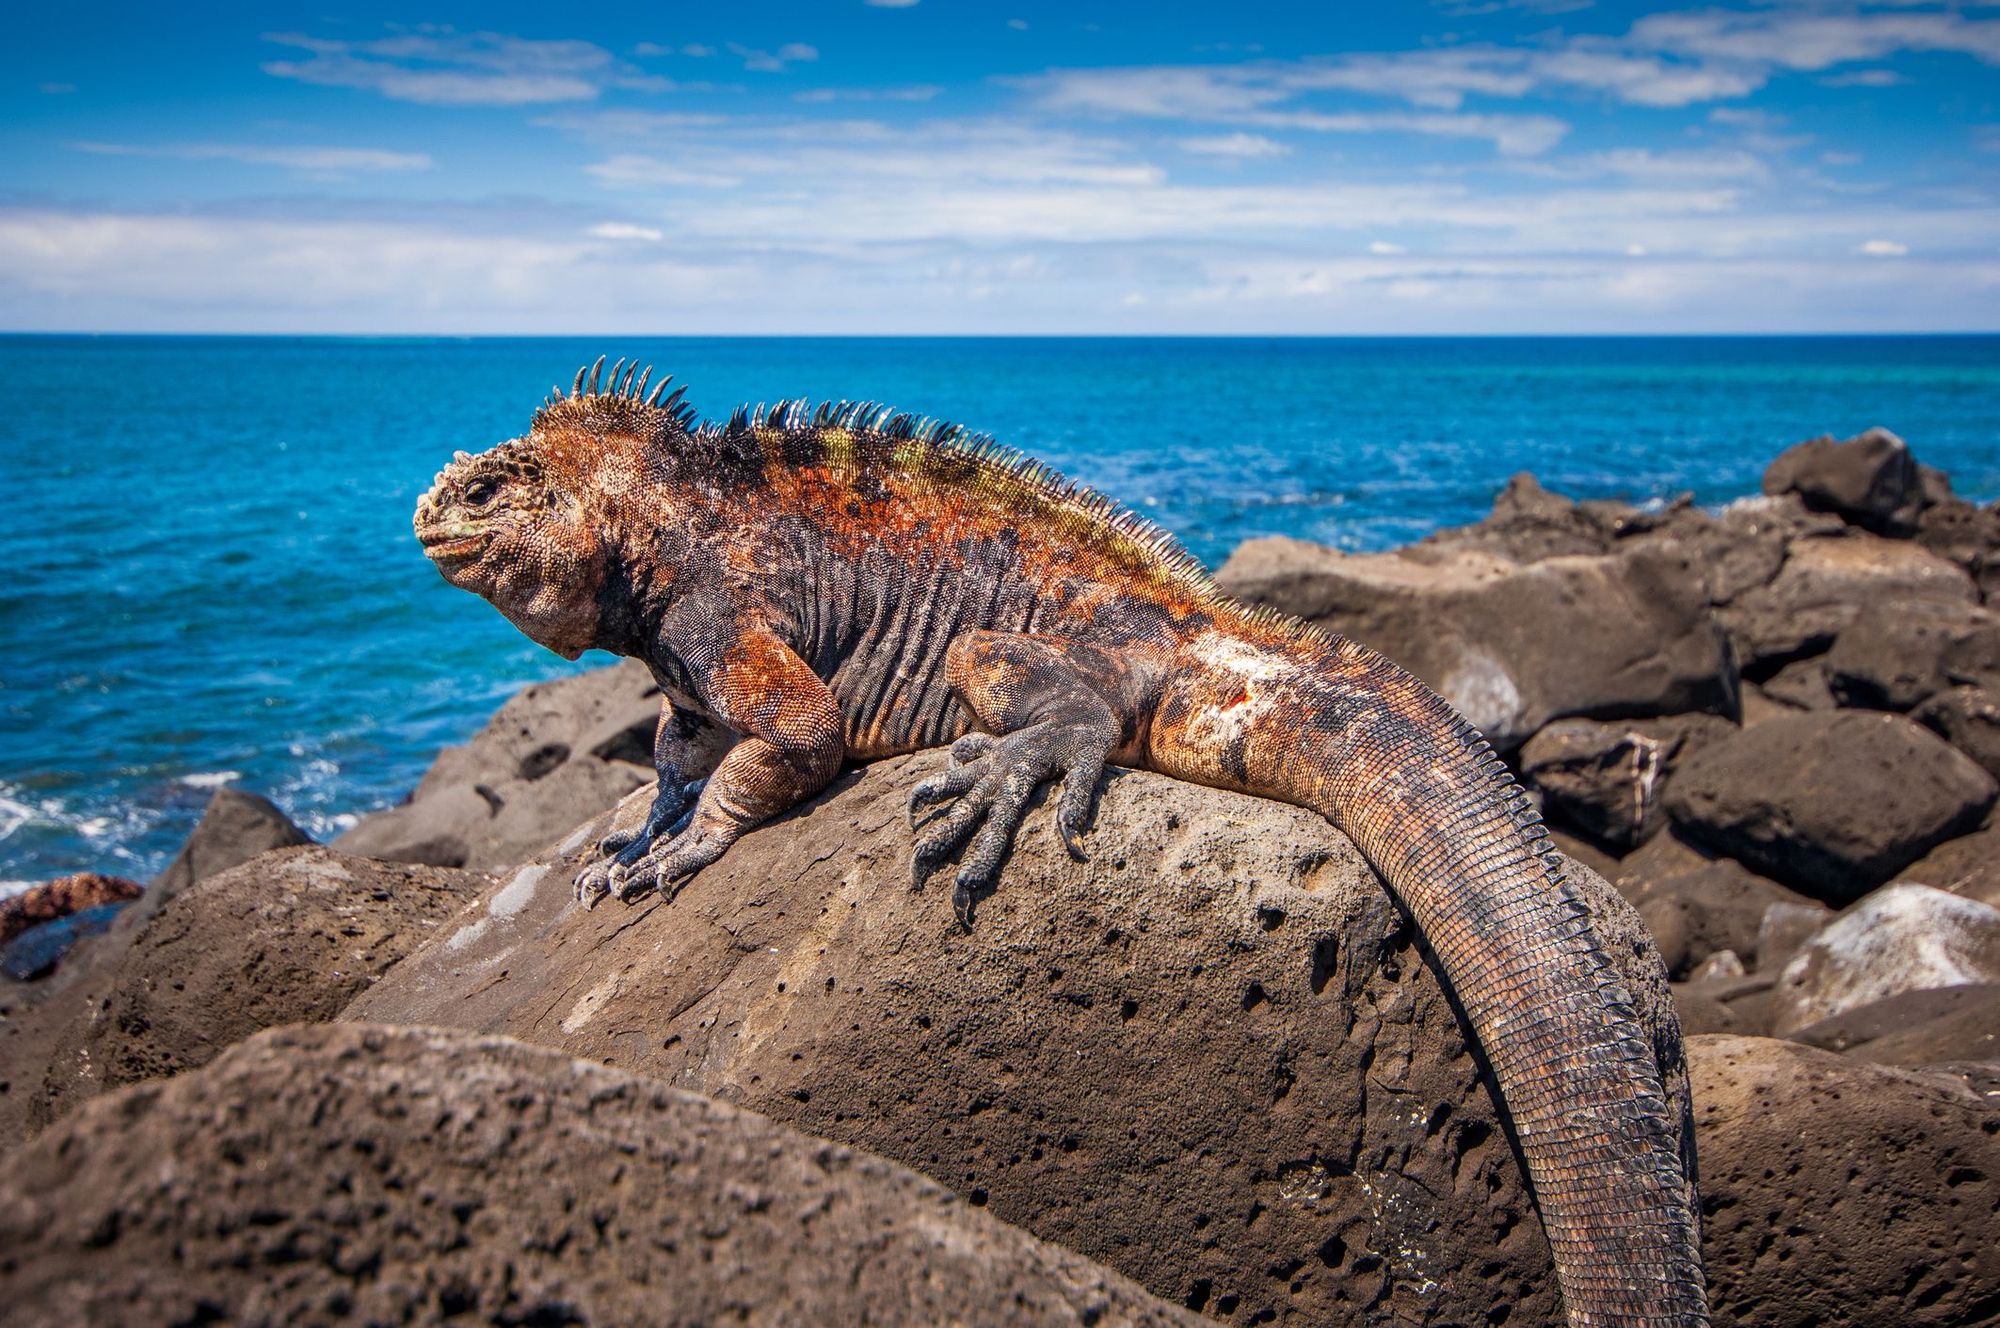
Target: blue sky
1096,166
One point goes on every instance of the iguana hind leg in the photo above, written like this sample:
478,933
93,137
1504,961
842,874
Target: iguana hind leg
1053,711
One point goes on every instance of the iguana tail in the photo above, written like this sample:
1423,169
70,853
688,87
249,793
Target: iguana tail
1332,725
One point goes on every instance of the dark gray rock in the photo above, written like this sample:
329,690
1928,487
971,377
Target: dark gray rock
385,1175
1969,719
1211,1056
554,756
1606,778
1870,480
1514,646
1839,1192
1901,938
1968,865
1825,585
236,827
1929,1026
35,953
1900,655
1832,804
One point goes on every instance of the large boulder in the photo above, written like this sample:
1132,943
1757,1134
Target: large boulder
1968,865
1969,719
1901,938
1870,480
1211,1057
1513,646
380,1175
1606,778
1839,1192
236,826
1831,803
1827,584
293,935
556,754
1929,1026
1899,655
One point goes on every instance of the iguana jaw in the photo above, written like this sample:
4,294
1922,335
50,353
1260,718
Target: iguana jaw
454,545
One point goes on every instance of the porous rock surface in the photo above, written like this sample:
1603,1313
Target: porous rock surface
1840,1192
1900,938
378,1175
290,936
1210,1057
1831,803
1513,645
555,754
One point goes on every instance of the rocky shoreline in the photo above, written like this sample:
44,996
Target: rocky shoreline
1207,1074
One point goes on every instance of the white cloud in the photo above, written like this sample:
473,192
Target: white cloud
1385,247
772,62
1883,249
319,160
623,230
1810,39
1865,78
442,67
911,92
1018,24
55,89
890,4
1233,145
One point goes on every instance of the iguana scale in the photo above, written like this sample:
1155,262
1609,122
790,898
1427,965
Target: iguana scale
847,583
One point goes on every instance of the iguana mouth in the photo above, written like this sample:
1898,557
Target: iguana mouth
451,547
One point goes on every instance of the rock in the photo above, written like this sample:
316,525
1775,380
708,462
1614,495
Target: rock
1932,1026
1743,546
1830,803
1513,646
382,1175
1968,535
1901,938
1784,928
1969,719
1527,524
1900,655
555,755
44,903
1801,685
1210,1057
1718,967
1758,706
1696,904
1968,865
35,953
290,936
236,827
1606,778
1870,480
1725,1004
1827,584
1838,1192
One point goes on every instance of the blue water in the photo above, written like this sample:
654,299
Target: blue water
210,576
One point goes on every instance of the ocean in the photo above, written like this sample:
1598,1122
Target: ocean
211,579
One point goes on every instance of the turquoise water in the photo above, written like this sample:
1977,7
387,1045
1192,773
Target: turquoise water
210,575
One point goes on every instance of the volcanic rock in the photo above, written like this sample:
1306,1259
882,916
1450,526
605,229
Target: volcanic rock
1930,1026
1839,1192
1900,655
1513,646
555,755
1901,938
1969,719
1606,778
236,827
382,1175
1968,865
1211,1057
1831,803
289,936
1870,480
1827,584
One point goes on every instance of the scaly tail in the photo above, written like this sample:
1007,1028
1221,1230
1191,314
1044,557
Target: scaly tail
1422,795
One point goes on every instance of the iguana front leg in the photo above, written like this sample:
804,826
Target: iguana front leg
1054,708
687,745
791,749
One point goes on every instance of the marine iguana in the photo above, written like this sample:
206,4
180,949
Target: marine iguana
850,583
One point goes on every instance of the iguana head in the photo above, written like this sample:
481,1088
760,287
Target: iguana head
533,525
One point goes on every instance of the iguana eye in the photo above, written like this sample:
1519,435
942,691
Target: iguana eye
479,493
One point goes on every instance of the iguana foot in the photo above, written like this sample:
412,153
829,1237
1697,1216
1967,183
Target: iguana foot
988,787
672,809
